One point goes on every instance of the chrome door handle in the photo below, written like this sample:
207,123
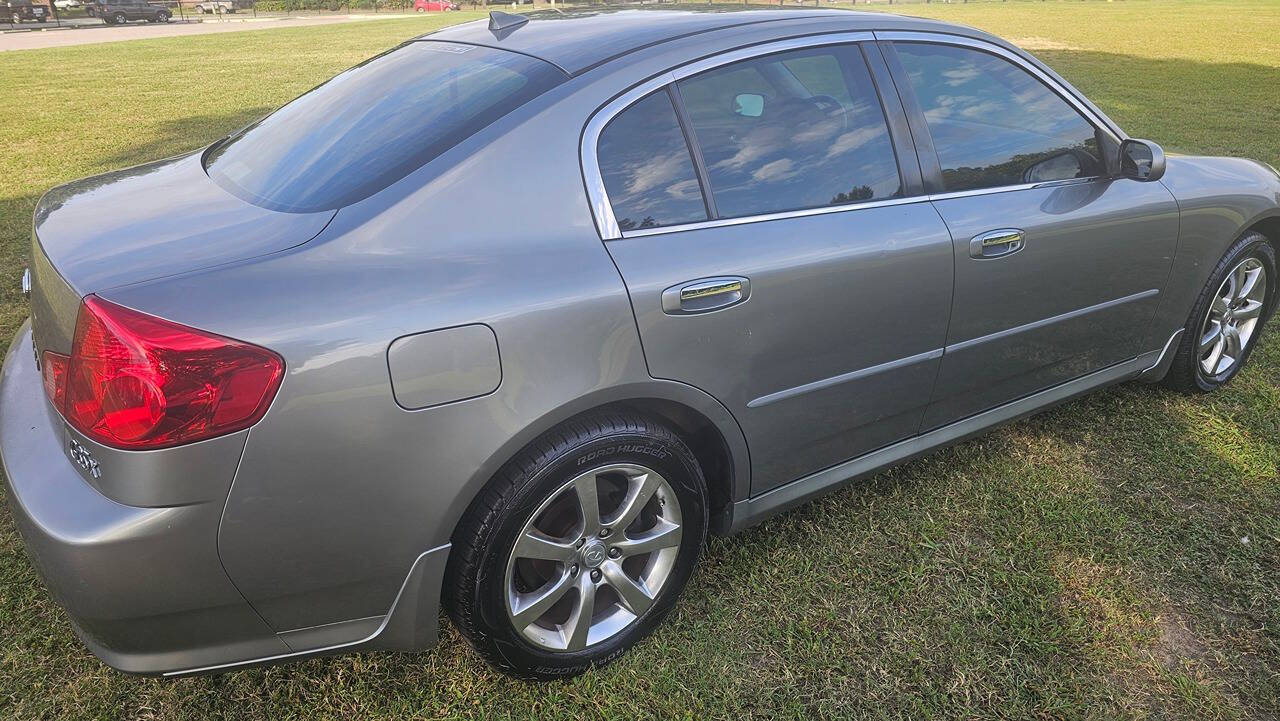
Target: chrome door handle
997,243
705,295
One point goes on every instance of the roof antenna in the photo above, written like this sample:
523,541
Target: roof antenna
503,24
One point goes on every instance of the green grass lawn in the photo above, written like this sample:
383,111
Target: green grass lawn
1116,557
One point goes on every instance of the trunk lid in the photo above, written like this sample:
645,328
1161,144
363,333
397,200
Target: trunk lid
146,222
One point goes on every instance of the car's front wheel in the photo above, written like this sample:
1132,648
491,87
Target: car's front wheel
579,547
119,19
1224,326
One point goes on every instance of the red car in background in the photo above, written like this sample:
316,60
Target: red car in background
434,6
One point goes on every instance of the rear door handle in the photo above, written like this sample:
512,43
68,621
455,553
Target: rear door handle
997,243
705,295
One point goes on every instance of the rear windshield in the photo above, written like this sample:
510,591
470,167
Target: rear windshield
373,124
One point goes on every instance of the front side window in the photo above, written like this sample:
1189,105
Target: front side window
790,131
995,124
646,167
374,124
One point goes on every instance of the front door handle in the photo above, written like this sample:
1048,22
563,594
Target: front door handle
707,294
997,243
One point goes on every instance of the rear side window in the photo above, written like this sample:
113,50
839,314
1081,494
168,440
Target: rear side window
375,123
994,123
646,167
790,131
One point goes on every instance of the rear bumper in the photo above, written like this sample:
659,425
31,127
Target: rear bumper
144,587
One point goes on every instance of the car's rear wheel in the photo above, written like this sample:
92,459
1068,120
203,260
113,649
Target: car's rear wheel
1228,317
579,547
163,17
119,19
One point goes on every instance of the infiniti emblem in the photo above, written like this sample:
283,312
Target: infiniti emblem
594,555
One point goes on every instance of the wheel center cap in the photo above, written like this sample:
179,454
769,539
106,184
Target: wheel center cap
593,554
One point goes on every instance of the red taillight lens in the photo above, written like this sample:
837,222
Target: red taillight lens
136,381
53,369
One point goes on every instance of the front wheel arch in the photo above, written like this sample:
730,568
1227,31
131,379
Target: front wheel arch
1268,227
1184,373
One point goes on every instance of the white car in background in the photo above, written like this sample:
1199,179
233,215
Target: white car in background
67,4
209,7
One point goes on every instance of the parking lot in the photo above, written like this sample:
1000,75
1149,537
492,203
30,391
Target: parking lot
87,30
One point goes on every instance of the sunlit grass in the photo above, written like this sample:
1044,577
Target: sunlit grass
1115,557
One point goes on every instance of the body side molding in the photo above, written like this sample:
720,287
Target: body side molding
754,510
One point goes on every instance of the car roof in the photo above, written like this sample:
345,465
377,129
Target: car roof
578,40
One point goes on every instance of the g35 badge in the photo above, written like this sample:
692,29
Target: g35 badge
83,458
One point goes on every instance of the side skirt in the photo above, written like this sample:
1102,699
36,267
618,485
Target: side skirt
746,513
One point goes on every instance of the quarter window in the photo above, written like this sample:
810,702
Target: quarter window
789,131
995,124
646,167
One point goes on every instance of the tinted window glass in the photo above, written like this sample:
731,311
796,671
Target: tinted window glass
646,167
994,123
373,124
794,130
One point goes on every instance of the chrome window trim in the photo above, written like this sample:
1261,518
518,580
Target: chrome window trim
846,208
602,210
780,215
1054,86
606,223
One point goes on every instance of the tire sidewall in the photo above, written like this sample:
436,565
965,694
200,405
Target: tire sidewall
674,462
1254,246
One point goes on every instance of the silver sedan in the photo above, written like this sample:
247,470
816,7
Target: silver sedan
510,317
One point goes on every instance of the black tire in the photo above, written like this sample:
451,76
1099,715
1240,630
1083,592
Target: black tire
119,19
163,17
1186,374
475,586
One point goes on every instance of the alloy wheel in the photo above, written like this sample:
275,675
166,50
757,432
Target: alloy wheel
593,557
1233,318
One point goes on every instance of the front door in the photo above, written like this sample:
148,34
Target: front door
1058,266
809,288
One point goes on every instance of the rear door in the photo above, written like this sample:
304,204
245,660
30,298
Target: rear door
808,287
1058,265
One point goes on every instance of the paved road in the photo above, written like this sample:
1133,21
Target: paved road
100,33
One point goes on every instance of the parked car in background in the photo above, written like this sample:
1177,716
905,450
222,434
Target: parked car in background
118,12
209,7
20,10
67,4
434,6
350,368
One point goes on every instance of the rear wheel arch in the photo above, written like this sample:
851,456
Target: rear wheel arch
698,419
702,437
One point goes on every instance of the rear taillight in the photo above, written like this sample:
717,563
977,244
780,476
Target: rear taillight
137,382
53,369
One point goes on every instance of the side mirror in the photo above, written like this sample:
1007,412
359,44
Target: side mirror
1141,160
748,105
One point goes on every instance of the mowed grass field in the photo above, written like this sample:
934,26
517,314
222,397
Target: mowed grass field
1118,557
